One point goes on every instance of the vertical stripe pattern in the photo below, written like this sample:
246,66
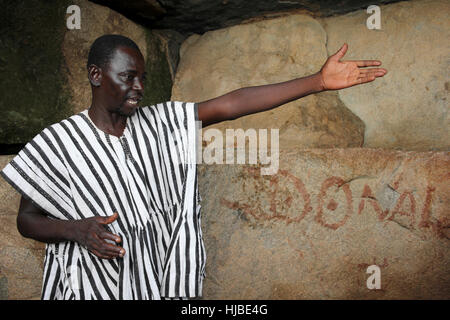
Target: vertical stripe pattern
72,170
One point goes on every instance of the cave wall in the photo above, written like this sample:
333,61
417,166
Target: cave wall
405,110
363,172
46,62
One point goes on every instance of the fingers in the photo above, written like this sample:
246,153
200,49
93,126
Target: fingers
365,79
341,52
104,249
102,242
377,72
109,236
369,75
104,254
366,63
101,255
109,219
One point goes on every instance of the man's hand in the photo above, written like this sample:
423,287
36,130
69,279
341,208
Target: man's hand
336,74
92,233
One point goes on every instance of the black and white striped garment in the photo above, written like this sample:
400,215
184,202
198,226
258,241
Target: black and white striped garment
72,170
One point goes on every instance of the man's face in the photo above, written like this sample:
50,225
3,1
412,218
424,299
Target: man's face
122,81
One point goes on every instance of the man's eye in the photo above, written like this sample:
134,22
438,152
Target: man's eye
127,77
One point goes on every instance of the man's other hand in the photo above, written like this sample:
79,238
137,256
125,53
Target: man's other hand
92,233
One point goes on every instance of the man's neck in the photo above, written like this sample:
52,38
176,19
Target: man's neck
108,122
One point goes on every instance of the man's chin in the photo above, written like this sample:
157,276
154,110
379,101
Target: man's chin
126,112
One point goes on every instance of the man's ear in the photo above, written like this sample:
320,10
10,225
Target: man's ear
95,75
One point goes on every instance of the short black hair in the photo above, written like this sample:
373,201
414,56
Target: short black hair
103,48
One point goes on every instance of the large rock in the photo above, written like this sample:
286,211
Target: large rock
260,53
44,63
21,260
312,230
408,108
32,91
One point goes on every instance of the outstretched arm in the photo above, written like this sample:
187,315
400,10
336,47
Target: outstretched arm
335,74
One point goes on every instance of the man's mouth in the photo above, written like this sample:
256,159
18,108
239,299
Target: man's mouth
133,101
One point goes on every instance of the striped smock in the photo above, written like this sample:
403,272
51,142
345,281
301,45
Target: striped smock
73,170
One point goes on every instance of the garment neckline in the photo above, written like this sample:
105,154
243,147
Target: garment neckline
86,113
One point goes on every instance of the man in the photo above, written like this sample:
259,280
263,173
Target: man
107,192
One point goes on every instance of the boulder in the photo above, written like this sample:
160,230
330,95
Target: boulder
408,108
46,63
312,230
21,260
33,92
260,53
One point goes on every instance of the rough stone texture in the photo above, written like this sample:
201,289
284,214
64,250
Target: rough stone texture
32,90
160,69
260,53
408,108
311,230
21,260
46,63
171,41
199,16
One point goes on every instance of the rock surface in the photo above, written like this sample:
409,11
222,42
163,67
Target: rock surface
47,79
261,53
312,230
32,87
408,108
21,260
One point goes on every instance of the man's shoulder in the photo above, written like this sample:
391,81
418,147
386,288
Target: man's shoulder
166,104
163,107
57,126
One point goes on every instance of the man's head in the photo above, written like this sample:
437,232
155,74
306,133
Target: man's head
116,71
103,48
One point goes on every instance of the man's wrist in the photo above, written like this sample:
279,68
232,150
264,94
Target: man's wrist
70,230
318,80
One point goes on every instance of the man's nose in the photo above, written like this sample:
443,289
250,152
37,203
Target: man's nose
138,84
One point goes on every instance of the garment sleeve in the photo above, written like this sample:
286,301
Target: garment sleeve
39,174
177,123
188,112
